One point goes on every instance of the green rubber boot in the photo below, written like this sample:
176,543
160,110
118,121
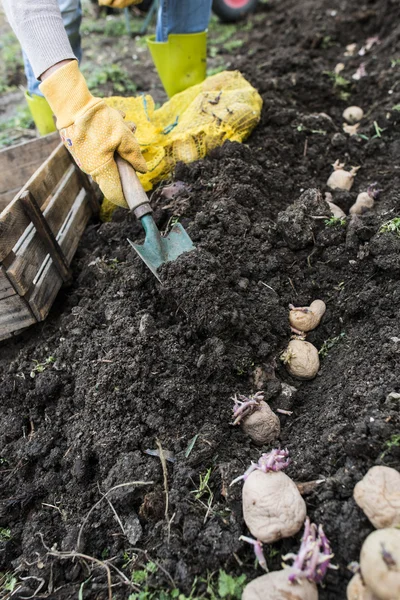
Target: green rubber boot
41,113
180,62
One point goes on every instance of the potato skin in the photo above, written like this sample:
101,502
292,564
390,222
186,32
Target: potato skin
275,586
303,360
364,202
272,506
382,578
353,114
356,590
378,495
263,425
308,321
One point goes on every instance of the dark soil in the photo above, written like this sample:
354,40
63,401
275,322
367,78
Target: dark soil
137,362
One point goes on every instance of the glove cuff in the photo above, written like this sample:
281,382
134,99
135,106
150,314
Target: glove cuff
67,93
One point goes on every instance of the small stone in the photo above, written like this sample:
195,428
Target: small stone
133,529
243,283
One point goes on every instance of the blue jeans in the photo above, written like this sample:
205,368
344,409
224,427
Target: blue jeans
174,16
182,16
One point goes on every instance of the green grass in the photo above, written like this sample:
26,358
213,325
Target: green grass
113,74
10,61
8,581
111,27
340,84
393,442
329,344
40,367
10,130
214,587
335,221
5,535
392,226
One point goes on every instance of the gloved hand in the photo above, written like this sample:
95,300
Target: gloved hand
118,3
91,130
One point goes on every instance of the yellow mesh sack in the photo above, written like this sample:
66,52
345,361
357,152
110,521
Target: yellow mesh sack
193,122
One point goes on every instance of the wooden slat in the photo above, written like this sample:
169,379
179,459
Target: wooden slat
31,251
6,288
18,163
49,281
14,315
13,220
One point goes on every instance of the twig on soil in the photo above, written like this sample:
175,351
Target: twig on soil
165,474
305,147
114,511
292,285
269,287
63,555
116,487
159,566
41,584
105,564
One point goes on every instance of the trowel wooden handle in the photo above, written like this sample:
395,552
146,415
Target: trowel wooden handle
135,196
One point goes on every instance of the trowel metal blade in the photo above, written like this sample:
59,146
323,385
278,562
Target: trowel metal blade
171,246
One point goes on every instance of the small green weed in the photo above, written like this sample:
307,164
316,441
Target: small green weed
395,62
42,366
329,344
10,130
111,27
393,442
221,587
5,535
334,221
203,485
11,62
378,130
340,84
396,107
327,42
232,45
392,226
112,73
215,70
8,581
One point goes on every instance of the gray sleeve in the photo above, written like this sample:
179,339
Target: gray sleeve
39,28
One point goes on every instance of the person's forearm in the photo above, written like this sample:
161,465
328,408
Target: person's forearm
40,31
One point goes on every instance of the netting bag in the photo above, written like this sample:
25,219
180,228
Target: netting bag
193,122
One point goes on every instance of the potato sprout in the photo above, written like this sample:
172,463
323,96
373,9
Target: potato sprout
256,418
297,582
314,556
301,359
378,495
341,179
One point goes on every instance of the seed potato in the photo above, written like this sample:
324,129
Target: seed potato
272,506
276,586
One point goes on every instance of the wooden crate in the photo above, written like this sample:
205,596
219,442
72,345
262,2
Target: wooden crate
45,204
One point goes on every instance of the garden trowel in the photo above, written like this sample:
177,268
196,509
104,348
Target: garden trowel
156,249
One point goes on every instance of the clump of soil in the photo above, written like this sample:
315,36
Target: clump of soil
137,362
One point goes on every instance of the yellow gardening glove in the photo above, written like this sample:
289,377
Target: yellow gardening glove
119,3
92,131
